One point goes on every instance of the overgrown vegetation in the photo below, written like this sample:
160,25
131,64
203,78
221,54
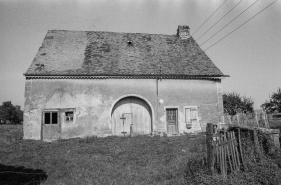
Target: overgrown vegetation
260,169
119,160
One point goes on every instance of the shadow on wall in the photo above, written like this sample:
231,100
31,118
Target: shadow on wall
19,175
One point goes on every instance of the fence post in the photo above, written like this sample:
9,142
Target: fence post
266,121
242,116
280,136
256,116
210,149
256,144
131,130
240,148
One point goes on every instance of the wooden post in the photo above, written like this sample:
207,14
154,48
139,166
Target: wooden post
220,153
240,148
236,150
256,144
237,119
257,119
210,149
217,151
266,121
235,166
280,136
224,164
228,154
131,130
242,116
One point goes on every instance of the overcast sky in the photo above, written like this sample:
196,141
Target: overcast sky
251,55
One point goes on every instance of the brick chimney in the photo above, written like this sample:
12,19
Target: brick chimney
183,32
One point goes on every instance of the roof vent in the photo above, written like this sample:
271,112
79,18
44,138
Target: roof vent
183,32
129,42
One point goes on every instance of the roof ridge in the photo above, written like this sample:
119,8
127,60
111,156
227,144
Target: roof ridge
111,32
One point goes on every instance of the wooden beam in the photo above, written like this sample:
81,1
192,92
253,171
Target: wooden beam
210,151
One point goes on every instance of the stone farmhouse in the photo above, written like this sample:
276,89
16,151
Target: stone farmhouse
94,83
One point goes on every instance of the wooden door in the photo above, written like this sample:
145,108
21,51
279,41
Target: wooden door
172,121
51,125
131,112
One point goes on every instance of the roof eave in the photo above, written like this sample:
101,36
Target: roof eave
126,76
36,74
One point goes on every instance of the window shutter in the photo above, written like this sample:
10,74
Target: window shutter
187,115
193,114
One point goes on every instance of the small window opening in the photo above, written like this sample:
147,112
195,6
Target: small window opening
47,118
191,115
54,118
68,116
51,118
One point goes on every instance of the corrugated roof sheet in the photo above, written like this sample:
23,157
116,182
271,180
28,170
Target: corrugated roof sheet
109,53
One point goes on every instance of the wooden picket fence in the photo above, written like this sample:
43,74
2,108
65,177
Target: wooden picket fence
252,120
227,154
224,153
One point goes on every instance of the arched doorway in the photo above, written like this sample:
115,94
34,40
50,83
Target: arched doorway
131,112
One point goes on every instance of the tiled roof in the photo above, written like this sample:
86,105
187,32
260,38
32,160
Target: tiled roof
109,53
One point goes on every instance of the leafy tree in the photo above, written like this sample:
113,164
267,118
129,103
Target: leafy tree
274,103
247,105
233,103
19,112
11,113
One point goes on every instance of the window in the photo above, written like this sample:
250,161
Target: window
191,115
68,116
171,114
51,117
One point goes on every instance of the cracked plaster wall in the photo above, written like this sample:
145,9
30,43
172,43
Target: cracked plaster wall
203,94
93,99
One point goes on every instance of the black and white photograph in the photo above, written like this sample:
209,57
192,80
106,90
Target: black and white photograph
140,92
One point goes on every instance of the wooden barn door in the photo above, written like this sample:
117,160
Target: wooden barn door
134,112
172,121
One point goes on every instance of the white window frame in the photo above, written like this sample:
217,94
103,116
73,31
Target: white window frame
51,111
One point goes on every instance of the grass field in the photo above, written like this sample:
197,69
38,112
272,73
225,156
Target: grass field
119,160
